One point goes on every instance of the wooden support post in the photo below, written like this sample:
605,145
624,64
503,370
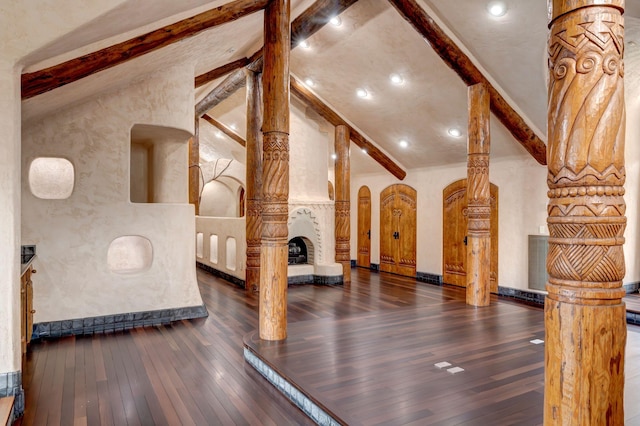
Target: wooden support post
254,180
342,203
584,313
275,172
194,167
478,198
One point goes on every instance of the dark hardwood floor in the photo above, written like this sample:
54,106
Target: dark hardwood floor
193,372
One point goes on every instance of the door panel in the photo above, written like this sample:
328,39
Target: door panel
398,230
364,227
454,250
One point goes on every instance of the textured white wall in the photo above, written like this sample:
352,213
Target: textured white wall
73,235
218,200
522,209
9,217
224,227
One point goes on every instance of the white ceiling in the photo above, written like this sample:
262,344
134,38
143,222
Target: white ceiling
372,42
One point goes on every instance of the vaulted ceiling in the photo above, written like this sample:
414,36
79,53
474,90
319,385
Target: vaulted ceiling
372,43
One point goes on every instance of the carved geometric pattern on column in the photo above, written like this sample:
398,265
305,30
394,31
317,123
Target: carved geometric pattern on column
584,313
275,186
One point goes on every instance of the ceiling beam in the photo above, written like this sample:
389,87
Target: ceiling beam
304,94
216,73
38,82
224,129
304,26
455,58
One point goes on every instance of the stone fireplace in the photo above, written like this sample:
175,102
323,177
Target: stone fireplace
312,244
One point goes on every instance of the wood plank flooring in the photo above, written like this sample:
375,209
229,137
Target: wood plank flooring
193,373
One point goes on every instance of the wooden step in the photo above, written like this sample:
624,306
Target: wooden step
6,405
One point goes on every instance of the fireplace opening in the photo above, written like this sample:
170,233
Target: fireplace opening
300,251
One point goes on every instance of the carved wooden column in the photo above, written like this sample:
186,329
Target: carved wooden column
584,313
342,202
275,172
194,167
254,180
478,198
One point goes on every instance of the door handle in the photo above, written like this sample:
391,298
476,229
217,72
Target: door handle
369,234
465,240
396,235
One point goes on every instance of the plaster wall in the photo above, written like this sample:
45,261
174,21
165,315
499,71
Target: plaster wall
9,217
73,235
224,228
218,200
308,161
521,210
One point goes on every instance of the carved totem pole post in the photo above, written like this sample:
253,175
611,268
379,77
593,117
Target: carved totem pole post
253,217
584,313
478,199
343,203
194,167
275,172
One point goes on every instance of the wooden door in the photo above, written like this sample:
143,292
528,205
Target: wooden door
454,249
398,230
364,227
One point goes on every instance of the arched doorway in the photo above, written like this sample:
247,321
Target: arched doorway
454,233
398,230
364,228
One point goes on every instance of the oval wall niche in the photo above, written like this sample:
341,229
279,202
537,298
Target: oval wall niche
51,178
129,254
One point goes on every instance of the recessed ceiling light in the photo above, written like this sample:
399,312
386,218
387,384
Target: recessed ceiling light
233,126
497,8
336,21
396,79
219,134
455,132
334,156
362,93
304,44
364,151
403,143
309,82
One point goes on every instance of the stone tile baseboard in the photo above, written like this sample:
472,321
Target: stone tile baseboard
11,385
235,280
632,287
315,279
290,391
117,322
429,278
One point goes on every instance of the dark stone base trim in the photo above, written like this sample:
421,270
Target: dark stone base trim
117,322
353,263
633,318
529,297
315,279
632,287
234,280
429,278
375,267
290,390
11,385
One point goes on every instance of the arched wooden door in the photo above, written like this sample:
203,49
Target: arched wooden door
454,232
364,227
398,230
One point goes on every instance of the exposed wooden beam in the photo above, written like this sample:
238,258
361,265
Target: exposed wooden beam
216,73
224,129
304,26
302,92
38,82
222,91
455,58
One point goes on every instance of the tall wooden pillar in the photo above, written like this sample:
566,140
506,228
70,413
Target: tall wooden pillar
342,201
478,198
254,180
275,172
584,313
194,167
